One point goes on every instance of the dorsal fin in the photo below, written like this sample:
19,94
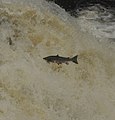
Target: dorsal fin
57,55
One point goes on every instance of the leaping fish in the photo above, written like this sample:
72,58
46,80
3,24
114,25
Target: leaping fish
59,60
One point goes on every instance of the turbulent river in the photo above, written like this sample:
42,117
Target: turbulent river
32,89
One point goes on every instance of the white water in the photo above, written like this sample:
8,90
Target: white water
32,89
99,21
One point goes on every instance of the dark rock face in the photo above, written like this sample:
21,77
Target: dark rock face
70,5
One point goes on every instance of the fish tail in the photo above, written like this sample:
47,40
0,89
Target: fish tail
74,59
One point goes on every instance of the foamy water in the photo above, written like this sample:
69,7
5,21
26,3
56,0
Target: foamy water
32,89
99,21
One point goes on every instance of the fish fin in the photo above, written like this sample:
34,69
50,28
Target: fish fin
57,55
74,59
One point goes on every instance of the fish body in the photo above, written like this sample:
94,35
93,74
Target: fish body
59,60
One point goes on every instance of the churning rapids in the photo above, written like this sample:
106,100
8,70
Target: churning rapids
32,89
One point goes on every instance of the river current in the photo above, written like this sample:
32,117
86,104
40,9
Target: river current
31,88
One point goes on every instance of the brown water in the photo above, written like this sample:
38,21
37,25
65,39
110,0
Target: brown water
32,89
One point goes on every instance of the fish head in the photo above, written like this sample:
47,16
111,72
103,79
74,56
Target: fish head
48,59
44,58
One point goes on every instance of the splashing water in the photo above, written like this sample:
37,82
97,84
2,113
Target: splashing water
30,88
99,21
